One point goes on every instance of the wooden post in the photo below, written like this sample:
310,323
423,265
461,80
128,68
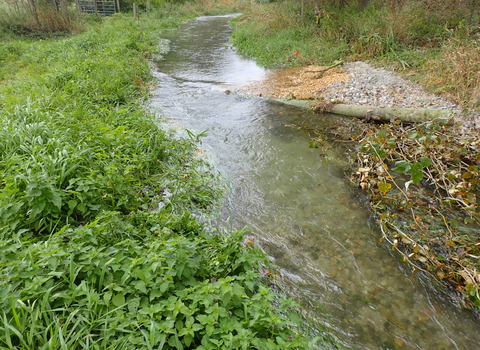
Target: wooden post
34,12
148,6
135,10
64,11
118,5
95,6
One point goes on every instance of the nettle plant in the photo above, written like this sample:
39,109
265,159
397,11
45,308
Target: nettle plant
110,285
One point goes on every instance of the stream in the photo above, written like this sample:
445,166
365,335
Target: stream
302,211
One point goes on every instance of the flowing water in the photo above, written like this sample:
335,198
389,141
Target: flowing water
302,211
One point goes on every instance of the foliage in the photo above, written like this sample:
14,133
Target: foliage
432,218
100,246
272,33
84,147
460,62
37,17
111,284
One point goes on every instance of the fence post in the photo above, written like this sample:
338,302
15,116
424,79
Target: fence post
95,6
118,5
135,10
64,11
148,6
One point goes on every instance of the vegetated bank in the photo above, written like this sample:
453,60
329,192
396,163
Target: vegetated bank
424,179
100,246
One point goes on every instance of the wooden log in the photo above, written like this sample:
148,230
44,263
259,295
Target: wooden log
408,115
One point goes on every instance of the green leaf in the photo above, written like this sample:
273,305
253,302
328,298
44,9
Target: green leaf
425,161
382,133
196,327
82,208
413,135
139,273
118,300
155,293
391,141
164,286
56,199
417,177
294,317
187,339
107,296
416,172
239,313
72,204
36,210
203,319
381,153
401,167
140,286
133,305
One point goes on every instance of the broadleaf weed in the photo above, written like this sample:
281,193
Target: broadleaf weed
90,260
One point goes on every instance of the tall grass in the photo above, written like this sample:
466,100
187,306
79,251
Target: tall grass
460,63
36,18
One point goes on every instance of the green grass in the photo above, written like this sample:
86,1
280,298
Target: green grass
100,249
273,33
418,39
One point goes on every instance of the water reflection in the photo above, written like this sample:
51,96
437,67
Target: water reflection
303,212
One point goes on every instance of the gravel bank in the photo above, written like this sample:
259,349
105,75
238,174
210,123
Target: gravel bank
378,87
357,83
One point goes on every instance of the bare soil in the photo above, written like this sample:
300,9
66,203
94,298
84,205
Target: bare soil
298,83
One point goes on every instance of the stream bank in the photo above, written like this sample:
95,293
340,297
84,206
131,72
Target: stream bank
433,221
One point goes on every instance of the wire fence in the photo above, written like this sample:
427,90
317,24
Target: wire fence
101,7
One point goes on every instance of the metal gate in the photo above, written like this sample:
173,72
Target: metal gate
102,7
